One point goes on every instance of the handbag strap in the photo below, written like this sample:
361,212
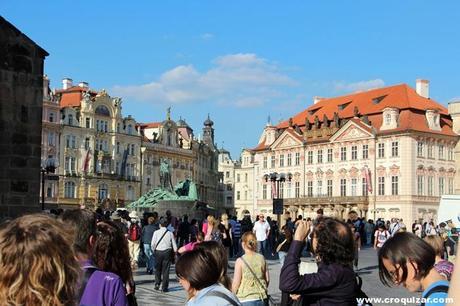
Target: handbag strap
160,240
222,296
255,276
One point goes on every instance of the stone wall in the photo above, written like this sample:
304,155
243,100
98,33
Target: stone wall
21,98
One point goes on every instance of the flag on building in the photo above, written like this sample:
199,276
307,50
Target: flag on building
87,160
367,176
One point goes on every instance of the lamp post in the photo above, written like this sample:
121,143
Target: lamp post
48,166
276,179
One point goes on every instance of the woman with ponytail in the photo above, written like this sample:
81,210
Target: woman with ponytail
250,281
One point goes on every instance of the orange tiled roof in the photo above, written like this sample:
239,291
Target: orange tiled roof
149,125
411,106
72,96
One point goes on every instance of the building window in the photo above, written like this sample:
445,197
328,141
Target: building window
265,162
51,138
441,186
388,119
273,161
394,149
281,160
118,147
419,185
343,153
88,122
329,188
245,177
365,151
69,190
238,195
130,129
87,143
354,182
130,193
329,155
381,185
364,186
450,183
354,153
245,194
450,154
70,119
102,192
238,178
118,127
381,150
288,190
430,186
132,148
430,151
310,157
320,156
289,159
51,117
419,149
297,189
227,174
310,188
343,187
49,191
394,185
441,152
281,190
319,188
297,159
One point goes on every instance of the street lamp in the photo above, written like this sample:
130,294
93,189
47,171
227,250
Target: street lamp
276,179
48,166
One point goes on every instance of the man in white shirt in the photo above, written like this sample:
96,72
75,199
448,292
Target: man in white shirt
262,230
164,247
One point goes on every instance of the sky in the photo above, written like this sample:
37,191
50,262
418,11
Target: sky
242,61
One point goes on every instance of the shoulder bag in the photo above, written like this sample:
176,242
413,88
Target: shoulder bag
271,301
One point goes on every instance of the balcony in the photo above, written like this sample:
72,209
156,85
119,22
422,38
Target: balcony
324,200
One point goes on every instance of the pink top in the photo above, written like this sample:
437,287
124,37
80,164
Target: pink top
190,246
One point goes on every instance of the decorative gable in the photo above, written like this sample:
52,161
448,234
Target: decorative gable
352,131
286,140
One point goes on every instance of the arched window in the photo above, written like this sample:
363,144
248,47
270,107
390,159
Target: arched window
130,193
102,110
51,117
69,190
103,192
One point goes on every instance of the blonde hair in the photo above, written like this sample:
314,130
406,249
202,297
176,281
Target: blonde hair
224,218
212,221
37,263
250,241
436,243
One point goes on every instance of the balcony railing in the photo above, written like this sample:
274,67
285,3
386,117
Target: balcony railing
327,200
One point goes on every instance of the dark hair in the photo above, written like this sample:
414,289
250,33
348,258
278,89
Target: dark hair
111,252
335,242
84,223
319,211
403,249
220,254
199,268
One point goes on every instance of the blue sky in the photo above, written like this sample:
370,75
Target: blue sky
241,61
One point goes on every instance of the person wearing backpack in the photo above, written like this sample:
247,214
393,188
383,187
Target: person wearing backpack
408,260
381,235
134,239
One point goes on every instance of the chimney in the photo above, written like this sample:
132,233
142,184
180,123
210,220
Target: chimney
316,99
422,87
66,83
83,85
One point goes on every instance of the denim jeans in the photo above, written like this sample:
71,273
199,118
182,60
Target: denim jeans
262,247
253,303
150,257
282,255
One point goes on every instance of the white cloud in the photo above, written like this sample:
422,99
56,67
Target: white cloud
207,36
241,80
358,86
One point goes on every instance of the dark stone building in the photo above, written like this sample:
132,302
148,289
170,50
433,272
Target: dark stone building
21,99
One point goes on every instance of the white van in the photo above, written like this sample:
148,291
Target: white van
449,209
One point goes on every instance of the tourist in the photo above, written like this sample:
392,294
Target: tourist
430,229
284,242
212,230
381,235
418,229
443,266
97,287
164,247
369,228
183,232
37,264
262,230
251,278
134,239
147,235
407,260
236,235
226,229
335,282
218,252
111,254
190,246
116,217
394,226
357,248
172,222
198,273
246,223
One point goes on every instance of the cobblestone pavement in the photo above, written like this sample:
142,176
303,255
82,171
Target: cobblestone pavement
368,270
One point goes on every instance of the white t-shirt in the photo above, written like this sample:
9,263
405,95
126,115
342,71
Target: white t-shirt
261,229
381,237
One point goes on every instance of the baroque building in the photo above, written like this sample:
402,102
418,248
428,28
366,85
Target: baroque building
21,98
99,161
387,152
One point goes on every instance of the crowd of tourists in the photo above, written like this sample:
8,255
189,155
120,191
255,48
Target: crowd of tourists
84,257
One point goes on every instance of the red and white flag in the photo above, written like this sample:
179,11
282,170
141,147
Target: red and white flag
367,176
87,159
274,192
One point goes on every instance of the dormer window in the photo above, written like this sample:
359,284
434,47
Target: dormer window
390,118
433,119
344,105
70,119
